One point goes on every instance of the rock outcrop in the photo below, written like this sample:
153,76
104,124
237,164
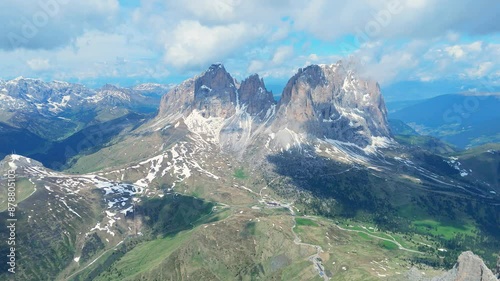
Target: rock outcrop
497,271
253,94
469,267
213,94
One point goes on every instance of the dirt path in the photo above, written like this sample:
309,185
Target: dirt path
315,259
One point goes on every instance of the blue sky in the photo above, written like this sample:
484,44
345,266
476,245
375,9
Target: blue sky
396,42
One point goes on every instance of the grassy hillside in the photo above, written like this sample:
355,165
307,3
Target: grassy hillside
428,143
457,222
484,162
20,140
46,233
57,154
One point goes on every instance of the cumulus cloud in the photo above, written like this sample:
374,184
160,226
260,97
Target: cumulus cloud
255,66
390,66
460,51
47,24
480,70
395,18
213,10
395,39
282,53
93,55
38,64
428,60
193,44
196,33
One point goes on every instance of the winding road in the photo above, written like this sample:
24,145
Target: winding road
315,259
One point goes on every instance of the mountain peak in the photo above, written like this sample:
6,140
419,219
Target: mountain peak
254,79
110,87
18,78
253,93
328,102
320,101
25,79
217,67
213,93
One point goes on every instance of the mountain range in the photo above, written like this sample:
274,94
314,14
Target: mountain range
463,120
70,107
40,119
225,183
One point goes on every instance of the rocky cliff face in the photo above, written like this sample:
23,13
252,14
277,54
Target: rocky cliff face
213,104
253,93
329,101
215,93
469,267
212,94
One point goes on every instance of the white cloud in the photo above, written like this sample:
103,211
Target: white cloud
313,57
48,24
475,47
481,70
255,66
406,39
214,10
390,66
280,33
282,53
38,64
455,51
92,55
428,60
193,44
460,51
395,18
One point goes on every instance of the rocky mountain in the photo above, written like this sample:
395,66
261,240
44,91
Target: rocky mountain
319,102
255,96
142,98
497,270
215,105
152,89
32,95
212,94
469,267
45,120
329,101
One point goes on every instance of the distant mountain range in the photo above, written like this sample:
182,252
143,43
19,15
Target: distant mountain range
462,120
33,104
46,114
420,90
55,98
